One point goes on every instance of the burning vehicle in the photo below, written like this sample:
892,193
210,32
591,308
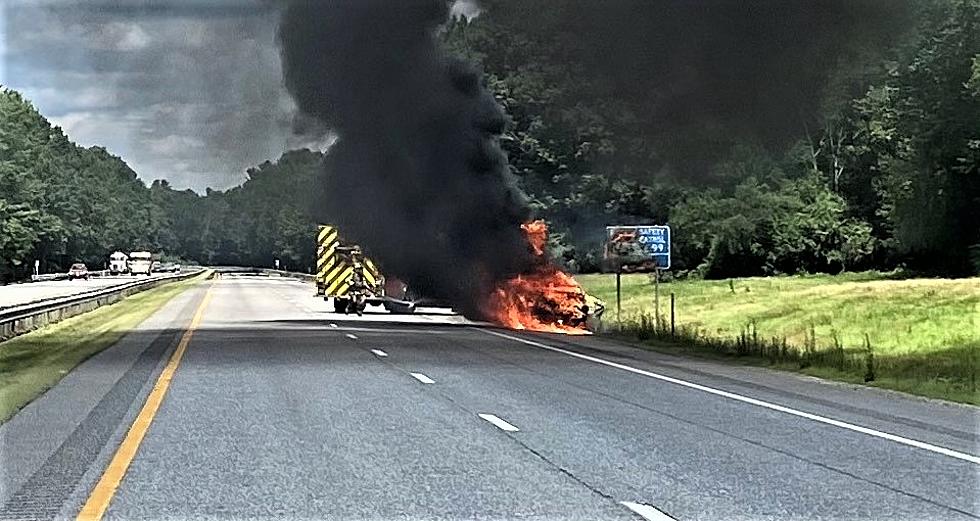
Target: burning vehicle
545,299
418,149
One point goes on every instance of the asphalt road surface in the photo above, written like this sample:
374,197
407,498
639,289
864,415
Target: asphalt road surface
20,294
280,409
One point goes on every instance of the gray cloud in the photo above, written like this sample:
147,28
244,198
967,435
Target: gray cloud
3,43
190,91
466,8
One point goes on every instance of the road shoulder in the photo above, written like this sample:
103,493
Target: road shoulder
55,441
949,424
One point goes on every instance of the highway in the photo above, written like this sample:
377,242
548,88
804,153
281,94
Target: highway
280,409
20,294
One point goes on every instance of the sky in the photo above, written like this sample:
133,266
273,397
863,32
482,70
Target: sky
184,90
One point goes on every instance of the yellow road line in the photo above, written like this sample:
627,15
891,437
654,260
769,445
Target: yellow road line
100,497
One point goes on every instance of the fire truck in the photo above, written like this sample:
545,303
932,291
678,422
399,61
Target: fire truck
337,260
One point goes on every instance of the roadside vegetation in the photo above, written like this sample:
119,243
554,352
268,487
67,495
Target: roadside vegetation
34,362
920,336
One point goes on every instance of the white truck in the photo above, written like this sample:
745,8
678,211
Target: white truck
118,263
140,263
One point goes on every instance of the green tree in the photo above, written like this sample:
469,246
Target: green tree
922,124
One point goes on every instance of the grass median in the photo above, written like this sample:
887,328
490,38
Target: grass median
34,362
920,336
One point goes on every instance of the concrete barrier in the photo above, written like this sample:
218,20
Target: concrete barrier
305,277
49,276
22,319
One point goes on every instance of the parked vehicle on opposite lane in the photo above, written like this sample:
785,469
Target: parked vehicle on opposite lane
118,263
166,267
78,271
140,263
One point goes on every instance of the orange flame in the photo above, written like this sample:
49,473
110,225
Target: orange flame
537,235
546,299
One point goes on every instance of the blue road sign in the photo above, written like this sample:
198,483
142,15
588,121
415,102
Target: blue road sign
639,246
656,242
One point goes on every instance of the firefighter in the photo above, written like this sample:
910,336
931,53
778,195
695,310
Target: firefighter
358,287
591,307
595,305
581,314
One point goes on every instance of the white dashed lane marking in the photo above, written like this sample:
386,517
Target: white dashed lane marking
646,511
422,378
499,423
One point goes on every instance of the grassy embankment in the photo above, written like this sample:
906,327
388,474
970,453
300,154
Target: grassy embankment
920,336
32,363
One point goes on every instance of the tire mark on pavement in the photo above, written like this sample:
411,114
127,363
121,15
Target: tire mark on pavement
101,495
44,494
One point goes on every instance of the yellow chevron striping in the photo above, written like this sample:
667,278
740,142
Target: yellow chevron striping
369,278
333,286
334,273
325,250
342,290
324,267
340,276
324,231
330,241
372,273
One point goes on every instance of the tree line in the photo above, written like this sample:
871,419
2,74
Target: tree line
876,166
61,203
881,171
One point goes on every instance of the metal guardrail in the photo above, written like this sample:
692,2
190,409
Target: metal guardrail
305,277
48,276
243,270
17,320
64,276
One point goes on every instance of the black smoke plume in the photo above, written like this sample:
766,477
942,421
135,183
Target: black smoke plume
696,76
416,177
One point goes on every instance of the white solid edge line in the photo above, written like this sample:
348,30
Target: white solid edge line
499,423
422,378
745,399
378,352
646,511
351,336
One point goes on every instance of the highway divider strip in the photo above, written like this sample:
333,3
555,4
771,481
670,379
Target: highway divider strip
752,401
101,496
17,320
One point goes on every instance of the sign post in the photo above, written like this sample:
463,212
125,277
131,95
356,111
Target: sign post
656,295
37,267
619,322
671,314
638,248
